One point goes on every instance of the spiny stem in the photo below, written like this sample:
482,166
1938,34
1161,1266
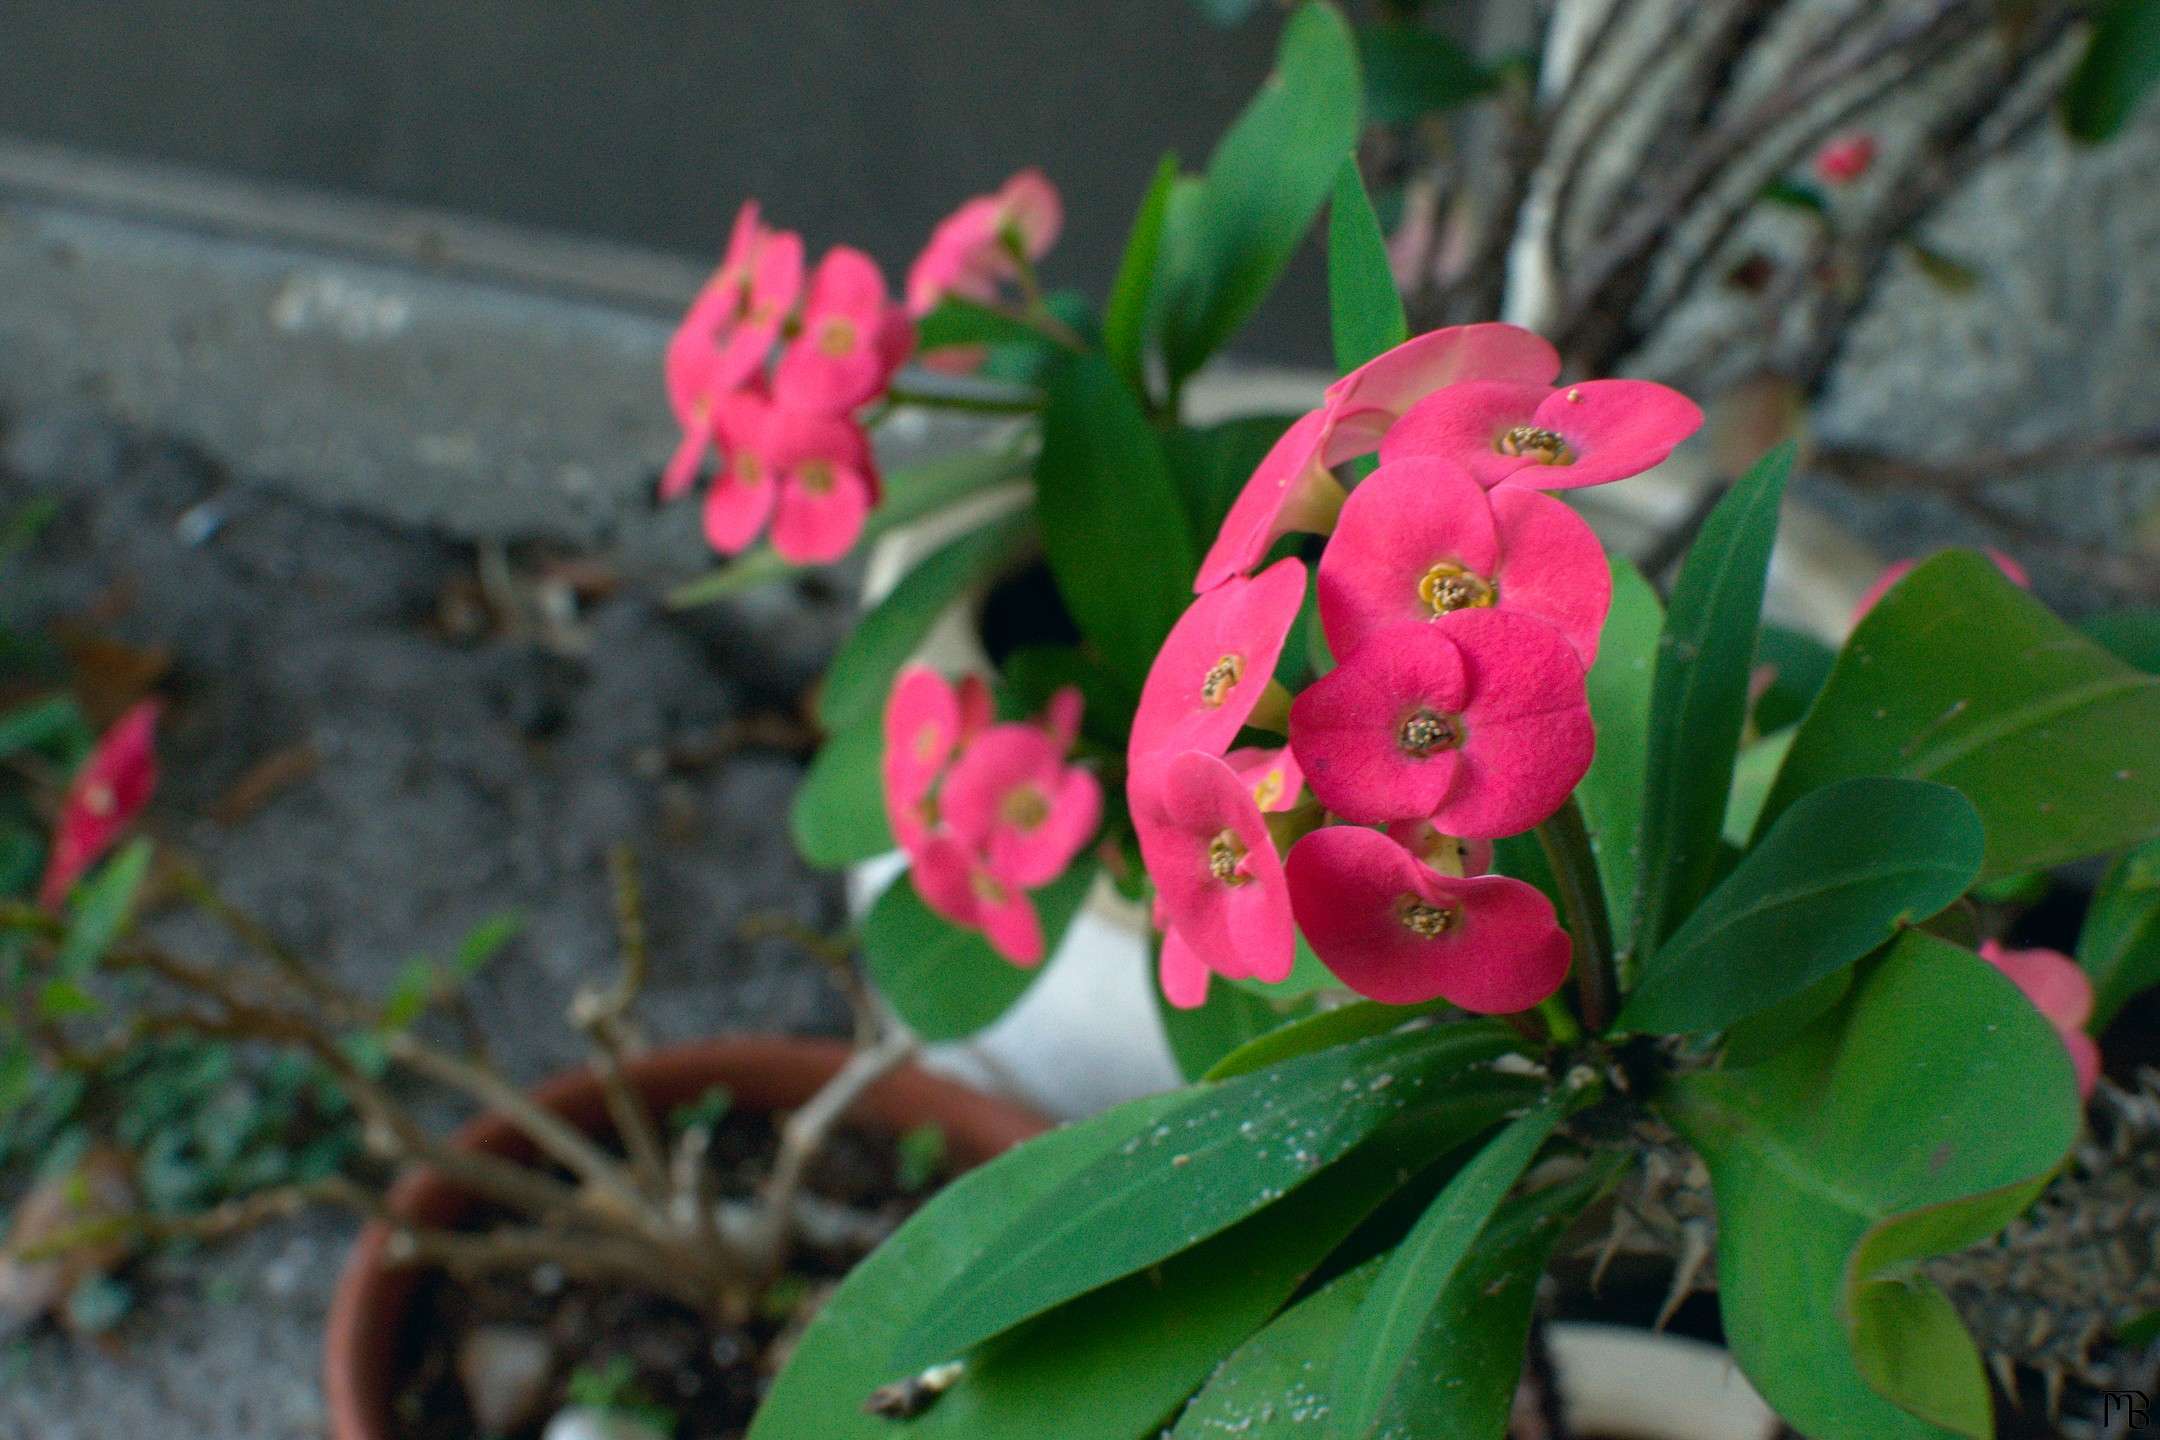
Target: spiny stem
1566,841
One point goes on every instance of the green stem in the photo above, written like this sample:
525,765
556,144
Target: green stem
1560,1020
971,404
1566,841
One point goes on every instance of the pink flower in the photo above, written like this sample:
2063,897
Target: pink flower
1898,570
922,727
1453,855
957,884
1273,776
1845,159
1420,539
729,330
2060,989
1061,717
1479,723
1183,972
1399,932
1216,663
103,799
1208,850
1292,489
809,471
1013,798
971,252
1548,439
852,339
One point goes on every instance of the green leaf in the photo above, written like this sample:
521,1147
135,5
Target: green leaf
101,910
1308,975
1399,1364
1800,664
1462,1375
1266,1390
1264,184
1754,772
838,815
54,725
1835,878
947,982
1104,495
65,1000
1920,1116
1033,673
483,943
1132,294
1212,463
1797,195
1365,311
1960,677
2121,62
1229,1019
2131,636
1699,697
1231,1150
881,642
910,494
1359,1020
1411,71
2120,944
410,993
960,321
1611,794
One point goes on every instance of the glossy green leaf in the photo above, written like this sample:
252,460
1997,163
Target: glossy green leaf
1699,697
1921,1115
1398,1362
1960,677
2120,64
1230,1018
2120,944
1832,880
861,675
1799,664
1264,184
838,815
2131,636
1365,312
1274,1386
1132,294
1411,71
1755,771
101,909
843,1355
910,494
1611,795
1359,1020
1104,495
947,982
1235,1148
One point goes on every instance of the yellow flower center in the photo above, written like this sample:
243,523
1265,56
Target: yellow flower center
1449,587
1224,856
815,476
1428,732
749,470
1268,793
1544,446
1429,921
1221,679
837,338
986,887
1024,806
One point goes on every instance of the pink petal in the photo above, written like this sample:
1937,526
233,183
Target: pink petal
961,258
1271,774
1216,663
821,513
1189,809
1530,736
1402,521
688,461
1061,717
1371,398
1465,423
840,358
738,504
922,721
1033,209
1616,428
1495,946
2056,984
1184,974
943,873
1552,566
2084,1061
1009,921
1290,490
977,707
1346,728
107,793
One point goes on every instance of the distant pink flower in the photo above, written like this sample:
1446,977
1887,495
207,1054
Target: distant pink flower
809,471
1399,932
853,338
922,728
1273,775
971,252
1545,438
1420,539
1845,159
1479,723
1216,663
2060,989
959,885
1454,855
1292,489
1061,717
1898,570
103,799
1012,797
1208,850
732,324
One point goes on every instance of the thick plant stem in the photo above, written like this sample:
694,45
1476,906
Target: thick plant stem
1566,841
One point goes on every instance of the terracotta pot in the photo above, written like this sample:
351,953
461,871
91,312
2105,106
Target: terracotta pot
764,1072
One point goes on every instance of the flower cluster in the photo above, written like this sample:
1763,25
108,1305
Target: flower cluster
1463,606
108,792
985,811
783,433
989,243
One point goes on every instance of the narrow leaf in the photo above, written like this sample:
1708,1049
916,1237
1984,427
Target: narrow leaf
1612,793
1358,1020
1411,71
1364,309
1266,1389
2120,944
2121,62
101,909
1132,294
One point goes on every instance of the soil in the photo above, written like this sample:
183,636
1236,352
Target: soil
706,1376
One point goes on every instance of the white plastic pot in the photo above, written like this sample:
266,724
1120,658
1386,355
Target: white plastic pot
1624,1384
